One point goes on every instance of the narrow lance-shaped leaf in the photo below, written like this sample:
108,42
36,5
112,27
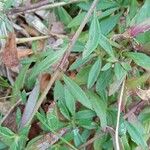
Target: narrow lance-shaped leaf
136,135
46,63
119,71
99,107
70,101
141,15
30,105
94,72
140,59
94,32
64,16
77,20
104,43
77,92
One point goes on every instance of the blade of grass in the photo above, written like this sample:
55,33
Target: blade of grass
118,116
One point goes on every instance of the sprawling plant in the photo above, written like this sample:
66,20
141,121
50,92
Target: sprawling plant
92,71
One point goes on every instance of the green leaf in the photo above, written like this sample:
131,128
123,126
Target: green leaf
6,132
133,8
82,76
141,15
77,137
136,135
114,87
107,24
58,91
46,63
70,101
77,20
79,62
120,74
99,143
104,43
4,83
126,66
106,66
85,114
103,81
3,146
18,116
77,92
19,83
119,71
94,72
99,107
64,16
92,42
43,121
63,109
125,143
140,59
53,121
6,135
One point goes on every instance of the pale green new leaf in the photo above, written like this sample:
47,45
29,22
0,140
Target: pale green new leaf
94,72
92,42
77,92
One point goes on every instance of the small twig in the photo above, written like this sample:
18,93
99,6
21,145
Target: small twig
40,6
133,109
10,111
118,116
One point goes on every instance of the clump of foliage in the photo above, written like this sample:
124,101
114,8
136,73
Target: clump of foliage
81,79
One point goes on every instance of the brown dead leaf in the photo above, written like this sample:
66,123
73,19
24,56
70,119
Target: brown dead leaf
5,107
57,27
44,81
9,55
49,139
9,120
30,30
24,52
143,94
